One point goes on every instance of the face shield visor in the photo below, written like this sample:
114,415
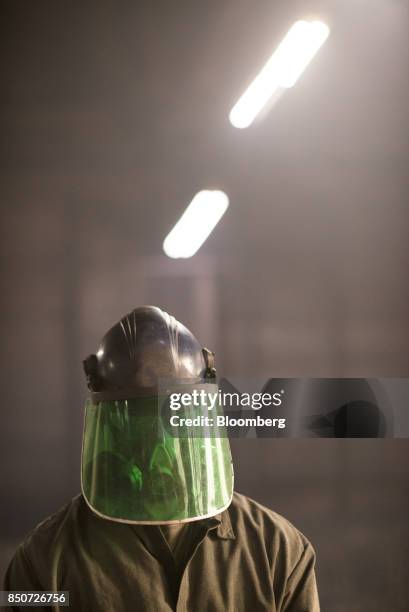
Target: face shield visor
139,468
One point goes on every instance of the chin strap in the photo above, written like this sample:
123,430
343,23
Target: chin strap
210,371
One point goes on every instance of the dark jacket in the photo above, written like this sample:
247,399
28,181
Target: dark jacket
247,558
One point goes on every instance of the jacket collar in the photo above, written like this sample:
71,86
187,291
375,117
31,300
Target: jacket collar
224,527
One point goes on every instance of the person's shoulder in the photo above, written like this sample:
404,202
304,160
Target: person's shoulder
32,563
279,549
53,527
249,516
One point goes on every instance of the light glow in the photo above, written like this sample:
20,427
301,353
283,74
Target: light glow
196,224
282,70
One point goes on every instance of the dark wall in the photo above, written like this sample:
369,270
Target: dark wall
113,115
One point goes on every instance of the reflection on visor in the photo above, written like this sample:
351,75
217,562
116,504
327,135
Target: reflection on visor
133,470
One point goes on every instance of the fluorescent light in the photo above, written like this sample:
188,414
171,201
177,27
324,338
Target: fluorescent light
196,224
283,69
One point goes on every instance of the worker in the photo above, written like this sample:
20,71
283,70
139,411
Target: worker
157,527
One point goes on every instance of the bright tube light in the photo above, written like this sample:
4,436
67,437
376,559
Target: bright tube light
196,224
283,69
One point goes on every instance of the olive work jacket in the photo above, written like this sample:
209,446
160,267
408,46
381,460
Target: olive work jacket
246,559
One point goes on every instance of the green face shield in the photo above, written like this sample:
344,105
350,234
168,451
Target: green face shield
137,469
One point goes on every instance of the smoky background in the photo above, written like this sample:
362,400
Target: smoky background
113,115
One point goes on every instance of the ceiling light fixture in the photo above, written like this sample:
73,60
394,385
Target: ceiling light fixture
282,70
196,224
